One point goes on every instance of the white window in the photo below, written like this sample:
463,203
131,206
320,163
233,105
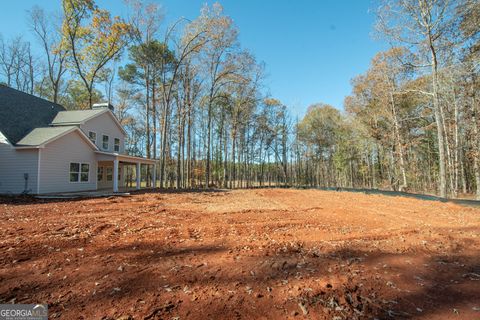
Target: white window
92,136
116,145
105,142
100,174
79,172
109,173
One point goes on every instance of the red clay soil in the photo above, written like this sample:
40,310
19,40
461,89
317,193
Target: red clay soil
245,254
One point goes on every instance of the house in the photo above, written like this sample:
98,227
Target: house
47,149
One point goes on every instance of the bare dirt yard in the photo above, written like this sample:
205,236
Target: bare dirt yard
244,254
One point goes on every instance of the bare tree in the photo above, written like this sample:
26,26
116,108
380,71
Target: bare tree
17,64
56,52
429,26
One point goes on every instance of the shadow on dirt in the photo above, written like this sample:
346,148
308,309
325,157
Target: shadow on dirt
419,196
30,199
179,191
17,200
212,281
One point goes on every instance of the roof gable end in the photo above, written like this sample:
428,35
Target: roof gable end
78,117
39,137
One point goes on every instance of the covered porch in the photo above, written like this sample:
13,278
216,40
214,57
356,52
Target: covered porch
115,171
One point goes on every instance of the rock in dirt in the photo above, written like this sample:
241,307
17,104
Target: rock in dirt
303,308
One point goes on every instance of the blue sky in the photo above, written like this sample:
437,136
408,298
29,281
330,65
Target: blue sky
312,48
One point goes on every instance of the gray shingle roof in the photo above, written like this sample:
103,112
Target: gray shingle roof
39,136
76,116
20,113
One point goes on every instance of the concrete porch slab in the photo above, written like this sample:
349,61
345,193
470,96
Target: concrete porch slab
83,194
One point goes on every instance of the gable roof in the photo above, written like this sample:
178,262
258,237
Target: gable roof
41,136
76,116
21,112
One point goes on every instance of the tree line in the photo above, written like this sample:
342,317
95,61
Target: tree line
411,122
190,96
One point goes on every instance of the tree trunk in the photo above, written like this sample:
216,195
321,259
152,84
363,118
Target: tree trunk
476,152
209,134
396,129
147,111
442,185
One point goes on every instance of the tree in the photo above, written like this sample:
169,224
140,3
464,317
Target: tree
92,45
144,72
75,96
17,64
54,47
429,26
377,102
469,14
171,64
319,130
218,61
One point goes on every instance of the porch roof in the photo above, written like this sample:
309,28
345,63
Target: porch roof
106,156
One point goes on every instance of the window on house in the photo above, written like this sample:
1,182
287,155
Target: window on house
116,145
79,172
109,173
100,174
74,172
105,142
84,172
92,136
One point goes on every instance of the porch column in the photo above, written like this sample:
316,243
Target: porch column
137,173
115,175
154,175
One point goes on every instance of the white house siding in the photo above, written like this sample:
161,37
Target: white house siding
14,164
104,125
55,162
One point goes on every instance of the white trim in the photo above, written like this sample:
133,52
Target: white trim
28,147
119,144
77,122
79,172
4,138
138,174
108,146
115,174
58,136
127,157
96,176
38,169
106,173
101,168
154,175
82,135
90,118
95,136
